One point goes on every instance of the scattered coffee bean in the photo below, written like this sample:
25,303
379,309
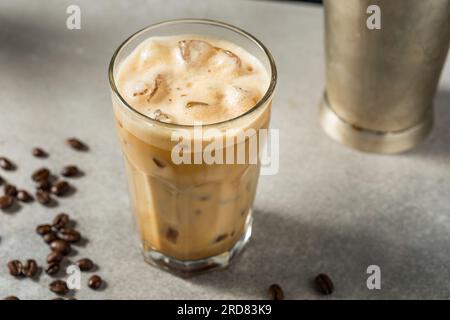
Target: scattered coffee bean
95,282
85,264
59,287
69,235
50,237
39,153
6,202
275,292
15,268
70,171
30,268
60,246
43,185
54,257
41,174
324,284
6,164
43,229
60,188
61,220
52,269
23,196
10,190
77,144
11,298
43,197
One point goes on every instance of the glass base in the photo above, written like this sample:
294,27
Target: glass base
187,268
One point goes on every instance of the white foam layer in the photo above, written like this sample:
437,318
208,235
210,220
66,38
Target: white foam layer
184,79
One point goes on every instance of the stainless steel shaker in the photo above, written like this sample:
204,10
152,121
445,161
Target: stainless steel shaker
380,83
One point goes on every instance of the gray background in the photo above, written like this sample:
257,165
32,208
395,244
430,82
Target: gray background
330,209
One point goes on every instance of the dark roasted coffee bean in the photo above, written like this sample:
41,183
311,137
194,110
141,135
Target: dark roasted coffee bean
43,197
23,196
30,268
11,298
324,284
10,190
43,229
70,171
43,185
52,269
60,188
69,235
275,292
61,220
15,268
6,202
95,282
77,144
41,174
6,164
60,246
85,264
54,257
50,237
59,287
39,153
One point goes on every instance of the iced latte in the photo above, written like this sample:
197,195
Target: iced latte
171,82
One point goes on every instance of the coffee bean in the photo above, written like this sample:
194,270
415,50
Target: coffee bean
60,246
50,237
60,188
69,235
6,202
95,282
43,229
324,284
59,287
43,185
6,164
23,196
10,190
15,268
275,292
30,268
41,174
77,144
39,153
54,257
70,171
43,197
61,220
85,264
11,298
52,269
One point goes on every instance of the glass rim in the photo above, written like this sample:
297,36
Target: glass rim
267,95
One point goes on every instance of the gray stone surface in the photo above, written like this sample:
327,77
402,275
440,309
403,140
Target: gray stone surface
330,209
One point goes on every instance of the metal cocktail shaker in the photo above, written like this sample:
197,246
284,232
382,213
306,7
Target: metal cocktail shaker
381,82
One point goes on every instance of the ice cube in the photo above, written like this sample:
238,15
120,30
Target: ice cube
195,52
224,61
157,114
239,96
